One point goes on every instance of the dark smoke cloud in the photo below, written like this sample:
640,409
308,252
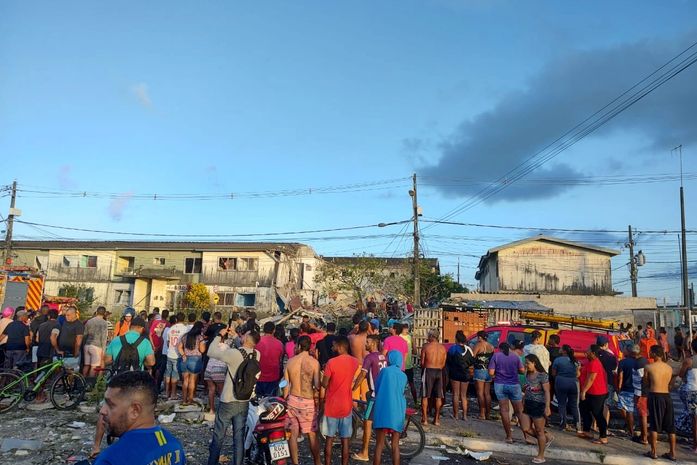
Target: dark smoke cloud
564,93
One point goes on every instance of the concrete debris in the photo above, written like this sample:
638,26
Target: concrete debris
166,418
40,407
22,452
12,443
76,425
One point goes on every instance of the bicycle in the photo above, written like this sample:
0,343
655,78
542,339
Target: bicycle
66,392
412,440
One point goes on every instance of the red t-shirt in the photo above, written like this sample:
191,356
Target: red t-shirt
314,339
397,343
270,353
341,371
599,386
156,329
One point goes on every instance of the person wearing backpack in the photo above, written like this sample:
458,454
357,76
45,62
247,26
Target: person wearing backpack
243,369
131,351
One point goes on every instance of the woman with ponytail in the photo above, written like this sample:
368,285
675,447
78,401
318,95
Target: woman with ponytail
565,370
504,367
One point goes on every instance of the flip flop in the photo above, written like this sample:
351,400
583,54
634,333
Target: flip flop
650,455
600,442
536,460
509,441
549,442
667,456
355,456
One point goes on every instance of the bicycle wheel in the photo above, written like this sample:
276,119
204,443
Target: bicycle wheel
411,441
12,388
67,391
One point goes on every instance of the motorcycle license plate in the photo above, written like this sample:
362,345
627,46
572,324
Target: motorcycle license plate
279,450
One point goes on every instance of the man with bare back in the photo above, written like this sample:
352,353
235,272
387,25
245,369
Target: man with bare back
302,397
657,376
357,342
433,356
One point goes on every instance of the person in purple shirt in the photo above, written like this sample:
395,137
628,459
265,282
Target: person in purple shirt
504,367
372,364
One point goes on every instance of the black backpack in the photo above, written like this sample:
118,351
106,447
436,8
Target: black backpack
128,359
246,376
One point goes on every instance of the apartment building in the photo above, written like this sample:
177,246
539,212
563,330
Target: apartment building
256,275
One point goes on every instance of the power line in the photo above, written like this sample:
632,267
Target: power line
531,228
581,130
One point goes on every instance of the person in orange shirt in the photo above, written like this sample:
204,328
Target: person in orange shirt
124,324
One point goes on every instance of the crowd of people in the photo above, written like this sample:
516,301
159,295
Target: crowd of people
326,370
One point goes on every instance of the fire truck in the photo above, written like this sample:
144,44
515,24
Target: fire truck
24,286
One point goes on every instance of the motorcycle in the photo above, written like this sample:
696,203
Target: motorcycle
266,441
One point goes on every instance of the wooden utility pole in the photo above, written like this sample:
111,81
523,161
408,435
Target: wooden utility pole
417,279
10,224
632,263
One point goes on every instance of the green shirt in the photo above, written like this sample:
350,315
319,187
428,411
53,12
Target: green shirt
410,359
144,348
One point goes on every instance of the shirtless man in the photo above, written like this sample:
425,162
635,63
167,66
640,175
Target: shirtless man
357,341
433,356
658,376
302,395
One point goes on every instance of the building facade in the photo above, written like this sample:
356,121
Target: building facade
145,275
547,265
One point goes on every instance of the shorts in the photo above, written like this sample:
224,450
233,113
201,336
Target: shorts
534,409
72,363
626,401
642,406
510,392
93,356
410,375
302,416
193,364
661,417
330,427
432,383
611,400
172,369
215,371
482,374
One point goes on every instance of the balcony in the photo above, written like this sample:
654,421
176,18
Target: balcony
150,273
237,278
70,273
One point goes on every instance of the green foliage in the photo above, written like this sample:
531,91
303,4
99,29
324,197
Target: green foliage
433,285
83,294
198,297
97,393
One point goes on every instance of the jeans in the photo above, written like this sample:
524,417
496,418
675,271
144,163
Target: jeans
592,409
566,390
235,412
14,358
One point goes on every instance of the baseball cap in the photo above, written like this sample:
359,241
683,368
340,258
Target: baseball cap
138,321
601,341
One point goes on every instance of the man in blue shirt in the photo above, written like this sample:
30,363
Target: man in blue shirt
129,414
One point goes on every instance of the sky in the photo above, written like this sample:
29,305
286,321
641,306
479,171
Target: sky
216,119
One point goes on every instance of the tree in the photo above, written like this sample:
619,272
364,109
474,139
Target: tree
83,294
198,297
433,285
359,276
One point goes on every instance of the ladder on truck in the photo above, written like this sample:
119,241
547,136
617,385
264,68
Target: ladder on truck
585,322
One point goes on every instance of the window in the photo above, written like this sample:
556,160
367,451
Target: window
248,264
246,300
308,267
192,265
226,298
80,261
158,261
515,336
227,263
122,297
493,339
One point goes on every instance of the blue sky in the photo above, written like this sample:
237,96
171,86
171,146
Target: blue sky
216,97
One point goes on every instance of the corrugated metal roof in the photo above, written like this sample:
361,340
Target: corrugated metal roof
151,245
521,305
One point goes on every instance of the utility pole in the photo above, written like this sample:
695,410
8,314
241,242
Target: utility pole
417,280
683,245
632,263
10,224
458,270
